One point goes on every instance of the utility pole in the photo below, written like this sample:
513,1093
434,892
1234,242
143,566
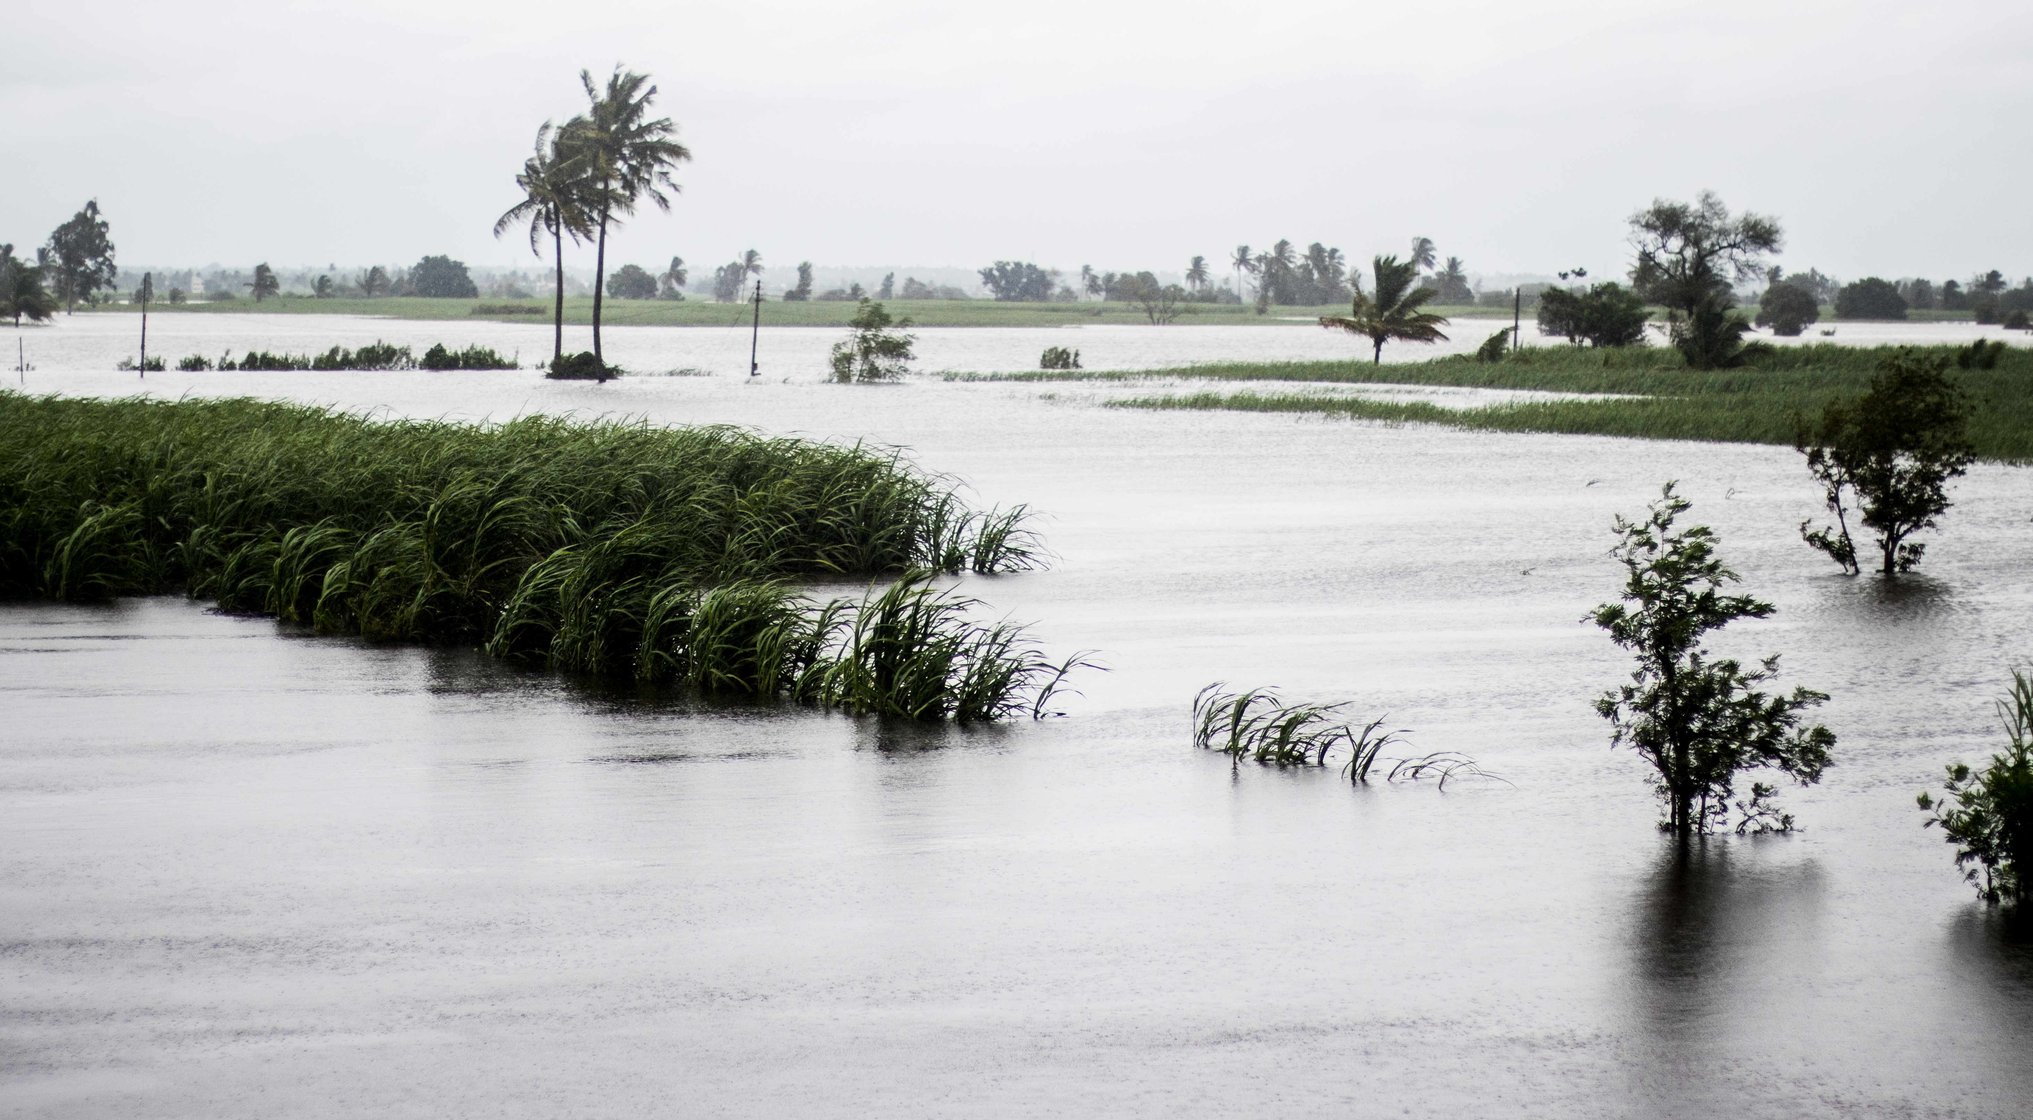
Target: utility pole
1517,312
755,333
147,289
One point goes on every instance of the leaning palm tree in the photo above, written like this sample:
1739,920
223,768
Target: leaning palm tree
674,277
1394,311
751,264
1242,261
1423,254
1453,281
553,205
626,156
1196,273
22,290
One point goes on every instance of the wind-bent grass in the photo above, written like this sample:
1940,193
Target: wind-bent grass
1657,397
1261,726
614,548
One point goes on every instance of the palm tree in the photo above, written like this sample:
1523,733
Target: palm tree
1422,253
1196,273
674,277
552,204
1453,282
1090,284
265,284
22,291
1394,311
625,156
1243,262
751,264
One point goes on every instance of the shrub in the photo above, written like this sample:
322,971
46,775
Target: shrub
1988,814
194,363
1980,354
872,350
1870,298
1713,337
1058,357
472,357
1788,309
1697,720
2017,320
1494,347
582,366
1604,315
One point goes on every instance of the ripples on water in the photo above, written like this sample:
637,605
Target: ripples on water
247,871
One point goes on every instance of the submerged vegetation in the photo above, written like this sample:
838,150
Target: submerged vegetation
374,356
1259,725
1988,813
617,549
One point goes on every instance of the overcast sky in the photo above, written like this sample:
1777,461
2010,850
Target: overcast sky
1886,138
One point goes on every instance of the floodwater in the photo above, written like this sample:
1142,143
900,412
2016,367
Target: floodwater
246,872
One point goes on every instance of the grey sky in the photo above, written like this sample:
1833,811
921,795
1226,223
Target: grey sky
1887,138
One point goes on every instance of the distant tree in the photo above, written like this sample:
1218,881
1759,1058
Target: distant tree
856,292
1713,336
1891,452
323,288
1869,298
1280,272
631,281
671,281
1159,302
1787,308
1196,273
374,282
1699,721
553,204
1606,314
804,289
1988,283
888,287
877,348
23,293
1019,280
1423,253
79,264
621,156
1090,284
1689,255
1243,262
1453,283
751,264
1988,813
264,283
728,282
1812,282
442,278
177,295
1953,298
1919,294
1394,311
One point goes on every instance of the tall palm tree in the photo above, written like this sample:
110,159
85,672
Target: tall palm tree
1196,273
751,264
1453,282
626,157
1394,311
1423,254
1243,262
552,203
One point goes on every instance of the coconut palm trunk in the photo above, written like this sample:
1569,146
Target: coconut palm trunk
599,279
558,313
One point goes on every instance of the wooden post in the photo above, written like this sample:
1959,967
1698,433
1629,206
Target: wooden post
147,289
755,333
1517,312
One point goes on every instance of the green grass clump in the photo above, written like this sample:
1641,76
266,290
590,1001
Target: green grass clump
1655,395
617,549
1259,725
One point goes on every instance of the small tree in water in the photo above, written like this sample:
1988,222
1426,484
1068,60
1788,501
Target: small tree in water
872,351
1988,813
1892,452
1697,720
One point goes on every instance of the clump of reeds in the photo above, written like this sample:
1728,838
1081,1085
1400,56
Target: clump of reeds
612,548
1261,726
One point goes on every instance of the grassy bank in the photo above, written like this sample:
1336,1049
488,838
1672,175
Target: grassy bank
1661,398
621,549
703,313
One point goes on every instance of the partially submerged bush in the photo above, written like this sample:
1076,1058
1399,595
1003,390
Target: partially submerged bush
1058,357
582,366
1788,309
877,348
472,357
1988,813
1606,314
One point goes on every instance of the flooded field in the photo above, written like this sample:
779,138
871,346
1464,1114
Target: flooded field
246,872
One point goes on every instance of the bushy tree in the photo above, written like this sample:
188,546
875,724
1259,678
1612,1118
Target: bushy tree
1787,308
631,282
442,278
1019,280
1606,314
264,283
1698,720
1891,452
1870,298
323,288
888,287
1919,294
803,291
1691,254
1988,813
374,282
1393,312
1159,302
23,294
877,348
78,261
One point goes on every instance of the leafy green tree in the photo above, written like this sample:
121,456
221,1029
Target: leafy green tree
1394,311
264,283
877,348
1787,308
374,282
1988,813
1697,720
552,205
22,291
1891,452
1689,255
1607,314
622,157
1870,298
442,278
79,262
631,281
1019,280
803,290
